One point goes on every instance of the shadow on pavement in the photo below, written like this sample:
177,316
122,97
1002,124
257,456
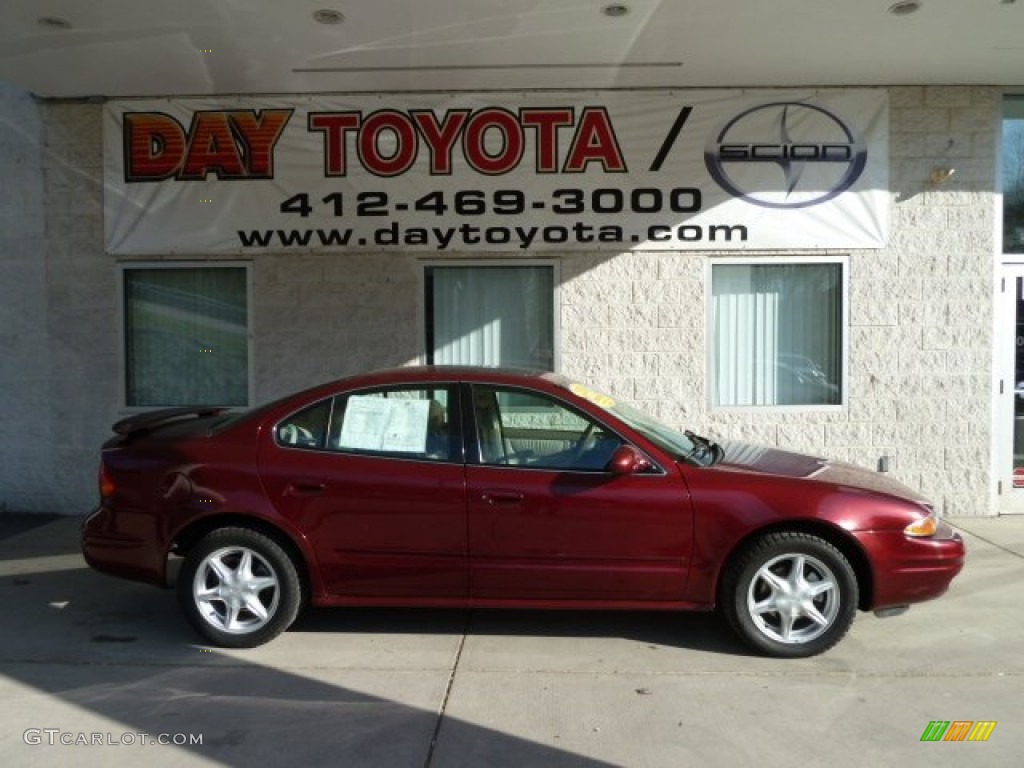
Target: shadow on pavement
86,656
704,632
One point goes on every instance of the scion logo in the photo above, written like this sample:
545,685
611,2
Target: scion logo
785,155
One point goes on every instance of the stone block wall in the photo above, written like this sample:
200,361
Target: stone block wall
58,345
83,336
323,316
920,319
25,370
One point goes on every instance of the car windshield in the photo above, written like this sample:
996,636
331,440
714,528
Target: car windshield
684,446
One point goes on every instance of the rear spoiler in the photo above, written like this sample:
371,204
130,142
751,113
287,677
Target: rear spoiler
144,422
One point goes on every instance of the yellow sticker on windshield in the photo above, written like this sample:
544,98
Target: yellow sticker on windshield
593,396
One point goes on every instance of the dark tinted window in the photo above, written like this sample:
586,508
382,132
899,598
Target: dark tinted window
307,428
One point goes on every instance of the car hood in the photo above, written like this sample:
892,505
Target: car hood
764,460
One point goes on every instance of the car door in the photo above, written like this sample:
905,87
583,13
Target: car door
376,480
547,521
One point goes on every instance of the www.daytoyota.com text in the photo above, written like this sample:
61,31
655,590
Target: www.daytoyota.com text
599,206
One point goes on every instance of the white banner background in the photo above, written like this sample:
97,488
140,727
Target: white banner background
678,203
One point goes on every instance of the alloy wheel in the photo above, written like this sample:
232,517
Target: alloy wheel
236,590
793,598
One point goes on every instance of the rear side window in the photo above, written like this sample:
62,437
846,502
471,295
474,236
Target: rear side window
307,428
414,423
408,423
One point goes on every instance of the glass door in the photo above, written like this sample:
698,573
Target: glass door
1010,391
1009,335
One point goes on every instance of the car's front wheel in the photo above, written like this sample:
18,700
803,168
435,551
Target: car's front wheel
790,594
239,588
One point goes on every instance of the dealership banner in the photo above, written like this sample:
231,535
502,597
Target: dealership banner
518,172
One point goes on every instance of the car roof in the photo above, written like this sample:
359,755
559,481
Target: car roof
460,372
425,373
441,373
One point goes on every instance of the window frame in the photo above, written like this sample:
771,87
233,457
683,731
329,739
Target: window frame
556,278
844,351
122,325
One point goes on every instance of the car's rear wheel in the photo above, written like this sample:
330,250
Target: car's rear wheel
239,588
790,594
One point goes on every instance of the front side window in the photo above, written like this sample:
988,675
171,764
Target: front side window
490,315
536,431
186,336
777,334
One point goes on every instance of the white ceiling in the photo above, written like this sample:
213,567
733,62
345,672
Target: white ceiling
186,47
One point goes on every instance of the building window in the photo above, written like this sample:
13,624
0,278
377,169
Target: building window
491,315
186,336
777,334
1013,174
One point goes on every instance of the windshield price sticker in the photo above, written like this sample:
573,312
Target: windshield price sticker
592,395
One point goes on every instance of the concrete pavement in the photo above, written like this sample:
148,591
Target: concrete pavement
88,658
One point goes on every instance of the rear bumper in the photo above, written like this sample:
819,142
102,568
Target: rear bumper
123,546
911,570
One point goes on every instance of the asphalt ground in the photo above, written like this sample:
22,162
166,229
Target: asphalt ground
94,670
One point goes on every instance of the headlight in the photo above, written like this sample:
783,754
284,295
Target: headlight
926,526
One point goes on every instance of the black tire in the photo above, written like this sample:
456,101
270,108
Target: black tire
789,595
239,588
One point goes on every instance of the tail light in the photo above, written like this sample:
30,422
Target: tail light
107,486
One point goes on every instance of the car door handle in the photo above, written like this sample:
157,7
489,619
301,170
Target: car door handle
304,489
501,497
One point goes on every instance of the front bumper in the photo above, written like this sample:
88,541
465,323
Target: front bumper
909,570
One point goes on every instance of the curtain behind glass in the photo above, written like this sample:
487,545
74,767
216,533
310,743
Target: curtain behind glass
776,334
493,316
186,336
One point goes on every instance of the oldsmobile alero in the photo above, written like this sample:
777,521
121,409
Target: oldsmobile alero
475,487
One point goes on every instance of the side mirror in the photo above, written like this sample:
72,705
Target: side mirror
627,460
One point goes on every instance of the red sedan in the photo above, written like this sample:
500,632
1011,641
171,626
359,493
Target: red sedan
491,488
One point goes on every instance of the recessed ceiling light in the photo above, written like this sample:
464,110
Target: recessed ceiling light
905,7
327,16
615,10
53,22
